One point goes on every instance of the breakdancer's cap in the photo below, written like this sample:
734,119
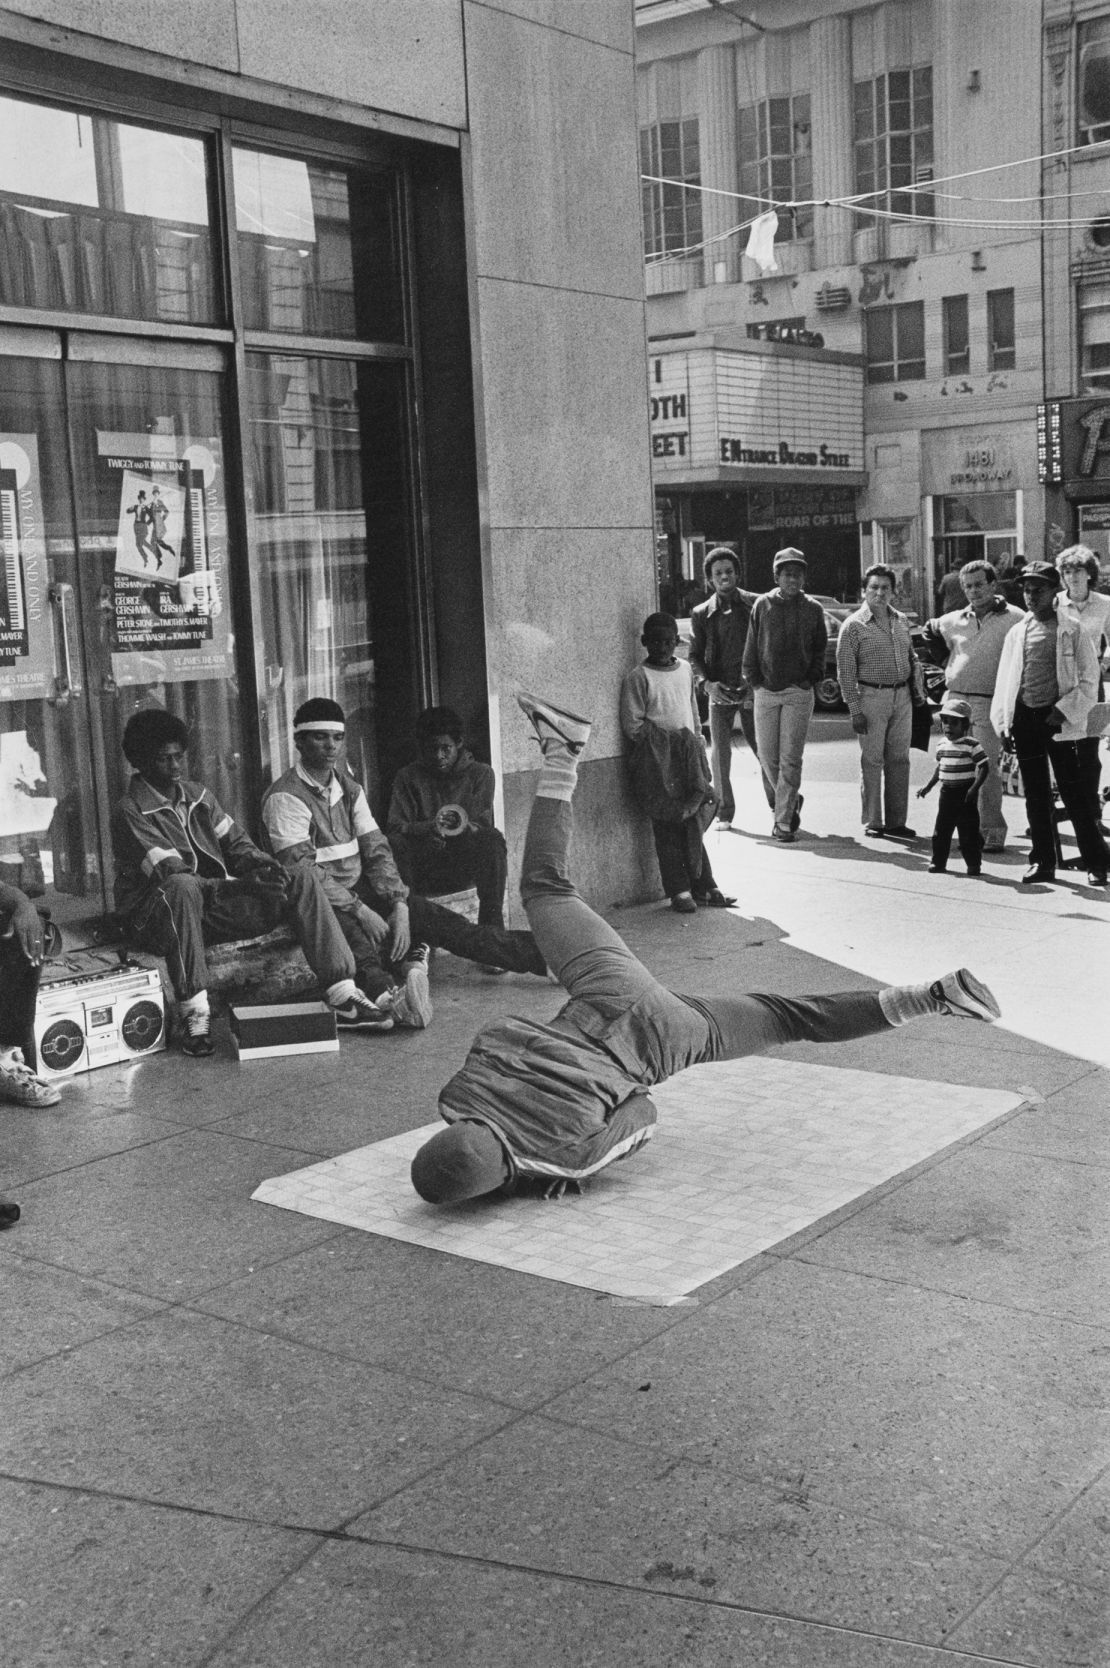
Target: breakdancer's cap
782,557
463,1161
319,716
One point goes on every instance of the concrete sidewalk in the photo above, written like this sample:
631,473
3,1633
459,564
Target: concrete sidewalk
232,1435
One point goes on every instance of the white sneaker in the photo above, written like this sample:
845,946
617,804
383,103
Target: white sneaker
358,1013
963,996
549,720
18,1084
412,1001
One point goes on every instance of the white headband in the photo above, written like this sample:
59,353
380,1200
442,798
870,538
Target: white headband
320,727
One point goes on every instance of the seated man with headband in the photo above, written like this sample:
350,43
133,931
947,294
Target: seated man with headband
317,819
559,1101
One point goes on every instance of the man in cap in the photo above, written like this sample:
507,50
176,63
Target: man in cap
556,1102
1047,684
187,875
317,819
967,642
784,658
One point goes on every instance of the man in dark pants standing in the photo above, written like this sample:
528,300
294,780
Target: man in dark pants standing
1047,684
719,631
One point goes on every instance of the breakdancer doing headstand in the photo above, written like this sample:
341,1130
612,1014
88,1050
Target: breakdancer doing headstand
557,1102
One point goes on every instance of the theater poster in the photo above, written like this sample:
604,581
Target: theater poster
170,620
26,649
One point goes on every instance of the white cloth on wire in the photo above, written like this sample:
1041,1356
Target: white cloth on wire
761,242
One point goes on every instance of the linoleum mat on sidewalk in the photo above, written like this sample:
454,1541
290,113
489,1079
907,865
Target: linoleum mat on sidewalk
744,1155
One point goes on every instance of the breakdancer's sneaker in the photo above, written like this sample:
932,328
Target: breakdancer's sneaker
549,720
412,1002
964,996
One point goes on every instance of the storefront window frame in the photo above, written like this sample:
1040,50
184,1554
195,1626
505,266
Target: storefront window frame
172,108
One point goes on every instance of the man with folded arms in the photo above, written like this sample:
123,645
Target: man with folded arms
967,642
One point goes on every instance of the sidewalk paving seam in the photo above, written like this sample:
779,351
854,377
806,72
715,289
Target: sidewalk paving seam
702,1600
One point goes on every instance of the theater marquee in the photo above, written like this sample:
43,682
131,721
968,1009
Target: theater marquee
759,413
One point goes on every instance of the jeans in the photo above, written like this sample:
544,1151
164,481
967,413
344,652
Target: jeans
19,984
1035,748
477,857
184,913
991,817
656,1032
781,723
720,737
683,860
957,814
885,756
430,923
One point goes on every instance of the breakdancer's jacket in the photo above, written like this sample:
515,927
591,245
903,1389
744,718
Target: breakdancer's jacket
565,1099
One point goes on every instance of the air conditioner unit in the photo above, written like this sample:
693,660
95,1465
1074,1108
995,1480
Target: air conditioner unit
833,298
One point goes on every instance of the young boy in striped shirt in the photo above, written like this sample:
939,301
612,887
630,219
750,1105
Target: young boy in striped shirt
962,768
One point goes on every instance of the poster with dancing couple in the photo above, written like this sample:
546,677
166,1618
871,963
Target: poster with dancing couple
169,558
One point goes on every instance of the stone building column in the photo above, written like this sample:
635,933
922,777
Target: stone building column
830,53
720,166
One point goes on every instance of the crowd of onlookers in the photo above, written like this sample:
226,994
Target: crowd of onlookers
1026,680
364,902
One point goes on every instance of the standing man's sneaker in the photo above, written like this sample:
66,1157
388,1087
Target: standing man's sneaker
549,720
683,904
901,832
1038,874
786,835
874,830
196,1035
358,1013
713,899
796,819
18,1084
412,1002
963,996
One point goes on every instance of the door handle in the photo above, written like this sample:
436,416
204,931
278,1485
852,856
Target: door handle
67,683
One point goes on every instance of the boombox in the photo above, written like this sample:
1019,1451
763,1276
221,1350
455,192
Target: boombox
86,1017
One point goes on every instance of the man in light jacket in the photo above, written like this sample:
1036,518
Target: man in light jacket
1047,684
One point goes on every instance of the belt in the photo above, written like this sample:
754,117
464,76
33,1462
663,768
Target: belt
863,683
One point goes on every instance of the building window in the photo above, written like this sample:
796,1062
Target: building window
672,215
893,129
957,351
103,216
1094,338
894,342
776,160
1001,353
1093,93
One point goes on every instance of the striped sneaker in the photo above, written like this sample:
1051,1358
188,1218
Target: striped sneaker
358,1013
963,996
549,720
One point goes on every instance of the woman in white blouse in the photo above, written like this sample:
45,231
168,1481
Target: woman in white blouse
1078,567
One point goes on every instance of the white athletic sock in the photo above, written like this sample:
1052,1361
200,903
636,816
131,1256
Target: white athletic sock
197,1004
340,993
901,1003
559,771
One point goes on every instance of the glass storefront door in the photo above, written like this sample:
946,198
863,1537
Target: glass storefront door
117,595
